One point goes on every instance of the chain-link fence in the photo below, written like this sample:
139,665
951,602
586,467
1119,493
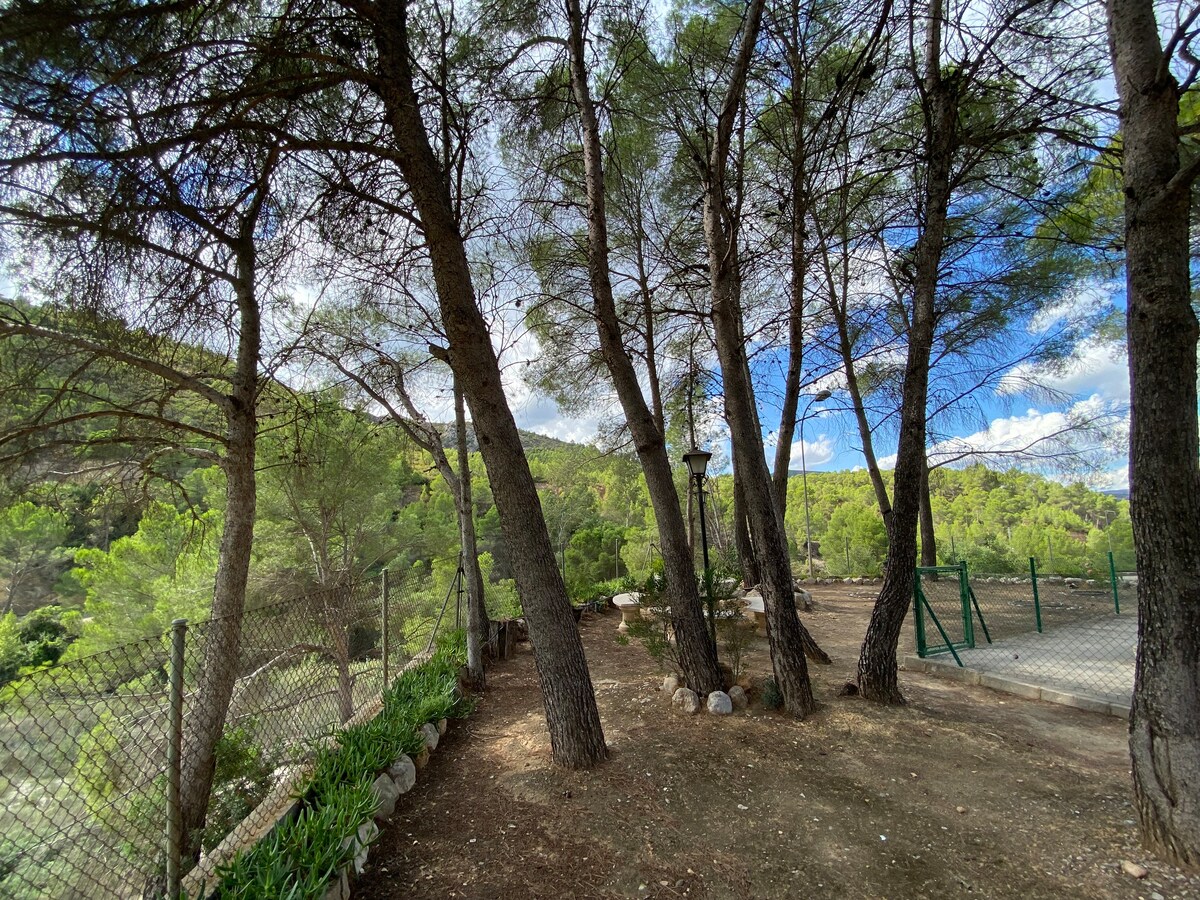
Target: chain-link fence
1076,636
86,764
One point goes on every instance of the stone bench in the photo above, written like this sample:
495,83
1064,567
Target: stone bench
630,606
755,609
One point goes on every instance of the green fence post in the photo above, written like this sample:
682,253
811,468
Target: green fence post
1037,602
964,595
919,615
1112,577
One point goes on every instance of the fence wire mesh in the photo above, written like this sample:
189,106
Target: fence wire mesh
1074,635
84,745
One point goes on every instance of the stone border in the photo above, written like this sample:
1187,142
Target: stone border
1021,689
282,801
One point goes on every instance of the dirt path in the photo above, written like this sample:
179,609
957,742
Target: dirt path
859,801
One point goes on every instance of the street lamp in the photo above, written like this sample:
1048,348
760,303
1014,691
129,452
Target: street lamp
697,463
816,398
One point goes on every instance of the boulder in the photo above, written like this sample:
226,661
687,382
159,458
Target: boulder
737,696
719,703
431,736
442,726
686,701
404,772
386,796
363,839
421,760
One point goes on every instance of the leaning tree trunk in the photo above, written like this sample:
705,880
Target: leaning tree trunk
221,640
696,652
877,668
479,629
1164,502
576,736
785,634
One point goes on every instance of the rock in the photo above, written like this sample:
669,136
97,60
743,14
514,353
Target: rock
386,794
404,772
960,810
421,760
670,685
737,696
685,700
803,600
719,703
431,736
339,888
1133,869
442,726
363,839
1155,895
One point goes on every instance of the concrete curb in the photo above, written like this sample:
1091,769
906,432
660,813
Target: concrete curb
953,672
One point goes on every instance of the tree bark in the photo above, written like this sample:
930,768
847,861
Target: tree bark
222,635
877,668
792,377
785,634
741,534
697,654
478,625
1164,724
576,736
928,538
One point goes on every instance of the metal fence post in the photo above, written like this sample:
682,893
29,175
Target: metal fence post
385,638
174,762
919,615
964,591
1037,602
1112,577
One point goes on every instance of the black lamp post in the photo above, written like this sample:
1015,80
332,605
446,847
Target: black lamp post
697,463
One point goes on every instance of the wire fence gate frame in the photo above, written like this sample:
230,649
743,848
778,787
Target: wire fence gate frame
1070,635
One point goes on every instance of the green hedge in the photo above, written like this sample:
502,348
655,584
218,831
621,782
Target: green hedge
300,857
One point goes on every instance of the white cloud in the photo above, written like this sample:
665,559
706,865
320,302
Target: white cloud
1089,434
1096,367
816,453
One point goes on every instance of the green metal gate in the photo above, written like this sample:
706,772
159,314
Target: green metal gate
942,610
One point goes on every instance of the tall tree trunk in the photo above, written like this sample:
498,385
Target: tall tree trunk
741,533
785,634
221,639
928,538
791,378
697,654
1164,724
877,669
478,625
576,736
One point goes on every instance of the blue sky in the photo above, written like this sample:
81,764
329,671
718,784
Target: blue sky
1093,385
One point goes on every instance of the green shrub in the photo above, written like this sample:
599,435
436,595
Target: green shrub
298,860
772,697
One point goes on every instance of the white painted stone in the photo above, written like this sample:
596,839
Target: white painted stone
404,772
431,736
386,796
685,700
719,703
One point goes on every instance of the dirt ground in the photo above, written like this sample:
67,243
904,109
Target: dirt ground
964,792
